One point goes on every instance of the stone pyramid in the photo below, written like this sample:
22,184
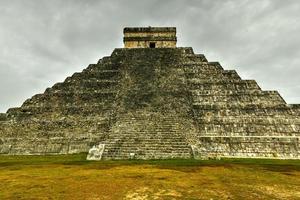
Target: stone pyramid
153,100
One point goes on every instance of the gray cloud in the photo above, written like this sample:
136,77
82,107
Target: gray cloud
42,42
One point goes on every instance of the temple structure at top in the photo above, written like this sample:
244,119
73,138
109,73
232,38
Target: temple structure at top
150,37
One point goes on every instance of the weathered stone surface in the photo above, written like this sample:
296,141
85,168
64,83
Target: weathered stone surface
145,37
142,103
95,153
3,116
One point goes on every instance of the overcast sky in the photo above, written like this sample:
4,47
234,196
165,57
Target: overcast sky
42,41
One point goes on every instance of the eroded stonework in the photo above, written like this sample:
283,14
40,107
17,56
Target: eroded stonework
150,37
95,153
159,103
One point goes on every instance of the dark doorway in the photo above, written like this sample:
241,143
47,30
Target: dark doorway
152,45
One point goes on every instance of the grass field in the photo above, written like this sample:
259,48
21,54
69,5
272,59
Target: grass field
72,177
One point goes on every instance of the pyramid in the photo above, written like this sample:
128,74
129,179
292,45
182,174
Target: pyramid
153,100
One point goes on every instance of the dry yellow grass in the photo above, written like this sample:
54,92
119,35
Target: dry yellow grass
70,177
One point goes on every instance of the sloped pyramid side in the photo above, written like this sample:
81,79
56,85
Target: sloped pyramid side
70,117
154,103
235,118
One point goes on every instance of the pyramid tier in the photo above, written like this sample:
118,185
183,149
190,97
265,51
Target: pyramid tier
153,104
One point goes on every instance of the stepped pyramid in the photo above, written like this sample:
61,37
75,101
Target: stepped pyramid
153,100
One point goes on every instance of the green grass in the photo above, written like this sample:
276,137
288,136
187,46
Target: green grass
73,177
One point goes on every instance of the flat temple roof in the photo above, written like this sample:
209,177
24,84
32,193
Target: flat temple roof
149,29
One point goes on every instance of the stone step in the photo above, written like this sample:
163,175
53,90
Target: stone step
247,114
150,131
196,65
150,146
244,119
96,73
196,57
152,141
207,76
239,99
199,67
98,69
232,108
154,126
145,140
146,134
151,155
254,119
105,60
126,147
249,129
255,92
227,104
239,85
93,83
221,82
137,154
81,96
65,106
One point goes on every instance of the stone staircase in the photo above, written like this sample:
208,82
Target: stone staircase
146,135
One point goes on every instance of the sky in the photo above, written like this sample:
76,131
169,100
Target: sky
42,42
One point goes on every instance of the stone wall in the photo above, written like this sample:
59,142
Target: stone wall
154,103
162,37
146,43
247,147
